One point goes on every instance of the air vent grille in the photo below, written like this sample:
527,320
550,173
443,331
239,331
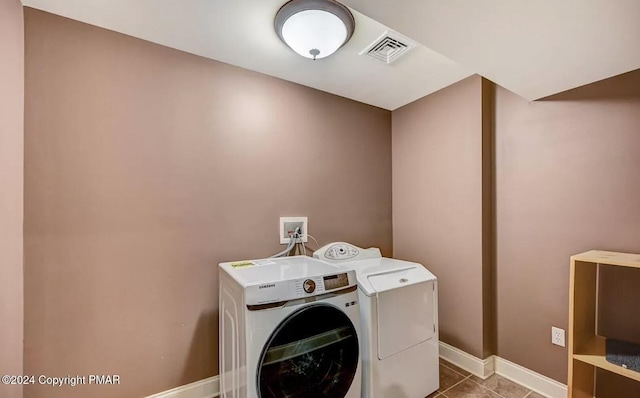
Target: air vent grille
388,47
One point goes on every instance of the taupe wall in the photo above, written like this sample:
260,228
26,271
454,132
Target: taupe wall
11,188
145,167
568,180
438,204
565,180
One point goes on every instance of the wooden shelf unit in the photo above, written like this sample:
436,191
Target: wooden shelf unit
586,349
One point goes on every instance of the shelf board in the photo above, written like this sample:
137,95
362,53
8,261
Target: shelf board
609,258
599,361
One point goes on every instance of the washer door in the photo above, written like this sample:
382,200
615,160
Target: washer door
312,353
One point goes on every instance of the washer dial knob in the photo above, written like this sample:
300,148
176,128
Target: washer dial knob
309,286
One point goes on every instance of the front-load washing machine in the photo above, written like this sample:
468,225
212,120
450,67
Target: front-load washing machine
399,315
289,328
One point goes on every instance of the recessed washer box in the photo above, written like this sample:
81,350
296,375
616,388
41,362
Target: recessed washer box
289,224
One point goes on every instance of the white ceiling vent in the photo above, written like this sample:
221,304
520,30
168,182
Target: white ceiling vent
389,47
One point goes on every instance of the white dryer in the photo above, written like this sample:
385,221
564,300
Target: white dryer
399,314
289,327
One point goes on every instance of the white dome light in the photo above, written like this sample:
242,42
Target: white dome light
314,28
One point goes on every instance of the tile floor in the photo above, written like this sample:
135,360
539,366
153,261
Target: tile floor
458,383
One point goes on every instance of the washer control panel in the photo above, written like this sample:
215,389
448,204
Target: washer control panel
309,286
335,281
341,251
318,284
306,287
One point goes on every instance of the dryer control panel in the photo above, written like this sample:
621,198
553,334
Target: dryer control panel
341,251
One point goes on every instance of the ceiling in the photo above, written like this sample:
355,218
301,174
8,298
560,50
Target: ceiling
241,32
534,48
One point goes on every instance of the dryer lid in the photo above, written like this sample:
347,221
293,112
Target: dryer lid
396,279
385,274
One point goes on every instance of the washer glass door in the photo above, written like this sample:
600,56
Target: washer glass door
312,353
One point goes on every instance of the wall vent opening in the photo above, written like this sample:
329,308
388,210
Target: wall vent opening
389,47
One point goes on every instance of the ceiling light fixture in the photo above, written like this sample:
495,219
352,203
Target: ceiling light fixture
314,28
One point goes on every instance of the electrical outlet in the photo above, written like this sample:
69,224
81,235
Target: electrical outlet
557,336
289,224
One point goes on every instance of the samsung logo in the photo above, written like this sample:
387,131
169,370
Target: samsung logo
268,285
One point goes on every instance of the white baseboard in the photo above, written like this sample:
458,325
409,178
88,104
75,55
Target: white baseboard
207,388
541,384
482,368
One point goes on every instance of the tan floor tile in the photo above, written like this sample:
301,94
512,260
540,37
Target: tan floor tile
469,389
434,395
448,378
454,367
535,395
502,386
